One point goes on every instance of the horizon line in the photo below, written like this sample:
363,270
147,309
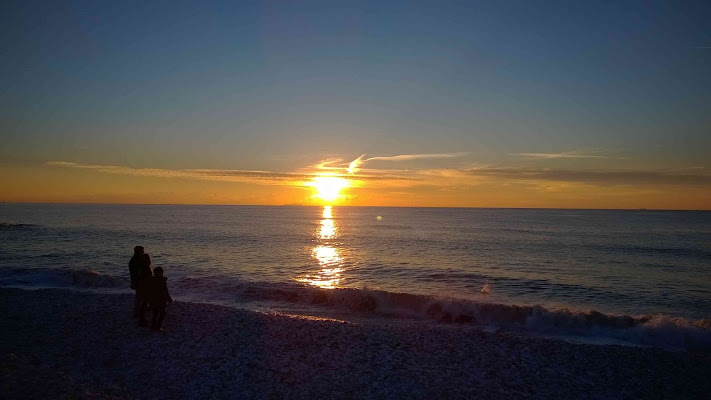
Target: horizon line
364,206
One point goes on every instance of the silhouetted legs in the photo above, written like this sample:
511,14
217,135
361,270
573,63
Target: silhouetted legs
142,305
158,315
136,306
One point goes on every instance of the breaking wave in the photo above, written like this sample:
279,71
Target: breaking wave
654,330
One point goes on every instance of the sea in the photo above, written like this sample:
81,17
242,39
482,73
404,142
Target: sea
637,277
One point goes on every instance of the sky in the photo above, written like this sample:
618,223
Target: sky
443,104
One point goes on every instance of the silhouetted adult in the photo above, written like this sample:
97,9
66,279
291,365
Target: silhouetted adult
145,272
133,268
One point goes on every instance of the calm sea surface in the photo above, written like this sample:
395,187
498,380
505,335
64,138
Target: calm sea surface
620,262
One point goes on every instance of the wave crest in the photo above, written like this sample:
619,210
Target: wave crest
655,330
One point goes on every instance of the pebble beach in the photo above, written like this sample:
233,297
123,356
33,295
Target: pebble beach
59,343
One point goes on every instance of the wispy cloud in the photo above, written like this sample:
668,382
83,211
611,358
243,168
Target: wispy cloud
356,164
603,177
202,174
77,165
408,157
329,164
478,174
396,179
686,169
225,175
565,154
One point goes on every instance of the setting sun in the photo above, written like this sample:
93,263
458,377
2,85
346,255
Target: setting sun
328,188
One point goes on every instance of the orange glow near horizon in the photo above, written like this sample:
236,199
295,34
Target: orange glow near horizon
328,188
123,185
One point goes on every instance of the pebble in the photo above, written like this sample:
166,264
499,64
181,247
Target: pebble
86,345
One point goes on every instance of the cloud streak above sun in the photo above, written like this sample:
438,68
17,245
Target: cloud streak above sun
224,175
355,165
565,154
459,175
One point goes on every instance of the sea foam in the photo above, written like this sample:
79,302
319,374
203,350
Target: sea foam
654,330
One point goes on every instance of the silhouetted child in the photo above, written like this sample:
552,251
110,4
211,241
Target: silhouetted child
158,298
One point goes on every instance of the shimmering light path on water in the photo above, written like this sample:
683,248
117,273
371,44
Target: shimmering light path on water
630,262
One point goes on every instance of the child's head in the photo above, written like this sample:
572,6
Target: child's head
158,271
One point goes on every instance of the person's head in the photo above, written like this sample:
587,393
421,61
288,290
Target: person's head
158,272
138,250
146,259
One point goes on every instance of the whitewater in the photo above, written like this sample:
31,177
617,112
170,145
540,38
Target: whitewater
636,277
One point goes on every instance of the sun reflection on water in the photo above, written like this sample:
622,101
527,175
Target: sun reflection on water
328,229
329,275
327,254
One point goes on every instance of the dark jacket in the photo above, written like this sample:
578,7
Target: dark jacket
133,267
144,274
157,291
144,271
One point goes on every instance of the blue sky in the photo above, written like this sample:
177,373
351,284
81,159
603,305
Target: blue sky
280,86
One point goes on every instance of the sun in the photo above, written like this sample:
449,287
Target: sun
328,188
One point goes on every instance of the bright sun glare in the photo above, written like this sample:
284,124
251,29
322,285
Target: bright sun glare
328,188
